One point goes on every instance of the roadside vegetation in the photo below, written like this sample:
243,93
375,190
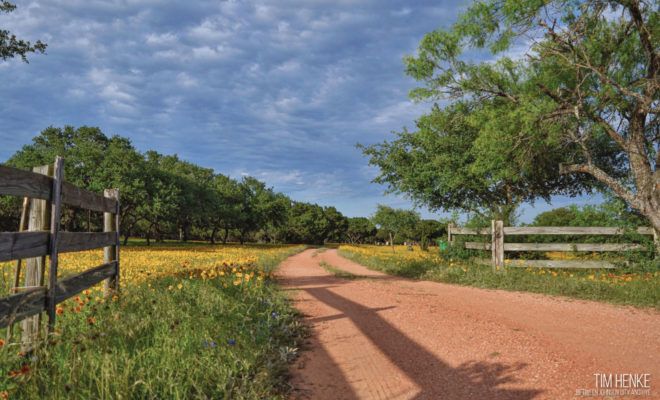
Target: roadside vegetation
190,322
339,273
639,288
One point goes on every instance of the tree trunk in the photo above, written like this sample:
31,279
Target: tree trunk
186,232
224,238
391,241
212,238
126,235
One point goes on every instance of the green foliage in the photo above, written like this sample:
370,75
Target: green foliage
157,341
611,213
339,273
360,230
577,284
578,113
426,230
313,224
10,45
459,158
395,222
164,197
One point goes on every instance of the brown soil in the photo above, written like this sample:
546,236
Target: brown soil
381,337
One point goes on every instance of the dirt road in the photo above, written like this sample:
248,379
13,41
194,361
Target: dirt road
380,337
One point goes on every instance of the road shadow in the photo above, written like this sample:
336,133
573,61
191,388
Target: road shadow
316,376
435,378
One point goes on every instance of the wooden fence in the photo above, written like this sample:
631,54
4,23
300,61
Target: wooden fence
45,191
498,247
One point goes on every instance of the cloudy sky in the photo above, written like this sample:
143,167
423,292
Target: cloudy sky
278,89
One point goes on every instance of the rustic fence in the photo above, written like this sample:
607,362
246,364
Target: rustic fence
45,191
498,247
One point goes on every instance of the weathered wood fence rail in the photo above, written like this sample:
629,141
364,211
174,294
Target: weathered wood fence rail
44,192
498,247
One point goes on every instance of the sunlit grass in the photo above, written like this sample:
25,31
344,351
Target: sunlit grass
191,322
640,288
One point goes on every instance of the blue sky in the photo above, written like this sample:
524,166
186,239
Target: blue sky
278,89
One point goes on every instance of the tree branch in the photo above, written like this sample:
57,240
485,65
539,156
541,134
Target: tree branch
602,177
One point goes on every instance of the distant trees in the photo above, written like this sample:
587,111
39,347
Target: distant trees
395,222
427,229
613,212
164,197
10,45
311,223
579,112
360,230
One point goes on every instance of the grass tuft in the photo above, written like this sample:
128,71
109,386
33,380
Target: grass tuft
339,273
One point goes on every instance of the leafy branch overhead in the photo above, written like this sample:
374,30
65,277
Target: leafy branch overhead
11,46
575,111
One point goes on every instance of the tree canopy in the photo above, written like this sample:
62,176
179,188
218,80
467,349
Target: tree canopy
578,112
395,221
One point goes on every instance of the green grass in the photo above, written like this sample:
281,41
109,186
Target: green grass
339,273
583,284
156,341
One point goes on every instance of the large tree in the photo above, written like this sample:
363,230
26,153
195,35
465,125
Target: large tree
585,96
10,45
226,199
92,161
453,162
258,208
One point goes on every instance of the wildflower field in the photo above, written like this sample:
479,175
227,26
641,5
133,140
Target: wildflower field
622,286
193,321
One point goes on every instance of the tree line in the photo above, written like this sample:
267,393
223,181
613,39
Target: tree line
165,197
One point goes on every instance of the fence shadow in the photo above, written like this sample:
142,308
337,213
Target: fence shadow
435,378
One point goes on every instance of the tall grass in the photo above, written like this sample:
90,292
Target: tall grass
166,338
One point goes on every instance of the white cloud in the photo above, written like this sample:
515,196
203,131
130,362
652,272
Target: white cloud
402,12
212,53
161,39
397,113
288,66
185,80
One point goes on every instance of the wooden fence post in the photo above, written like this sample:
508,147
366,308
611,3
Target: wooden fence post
497,244
111,253
39,220
58,176
23,226
449,226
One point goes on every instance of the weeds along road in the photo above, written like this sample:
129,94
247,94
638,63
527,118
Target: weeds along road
382,337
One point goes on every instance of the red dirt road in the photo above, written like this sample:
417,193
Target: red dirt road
381,337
